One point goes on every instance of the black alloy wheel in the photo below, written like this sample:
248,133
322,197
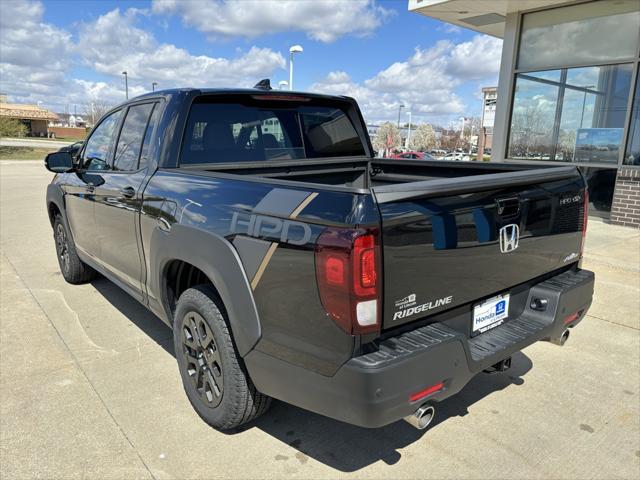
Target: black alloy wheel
62,248
202,359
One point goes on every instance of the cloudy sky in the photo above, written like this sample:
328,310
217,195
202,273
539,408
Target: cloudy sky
65,53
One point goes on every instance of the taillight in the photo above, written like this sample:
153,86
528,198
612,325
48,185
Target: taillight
348,275
584,220
364,265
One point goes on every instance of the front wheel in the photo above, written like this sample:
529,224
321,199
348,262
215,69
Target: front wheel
73,269
213,374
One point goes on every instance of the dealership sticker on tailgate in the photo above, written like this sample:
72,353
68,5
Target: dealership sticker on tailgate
490,313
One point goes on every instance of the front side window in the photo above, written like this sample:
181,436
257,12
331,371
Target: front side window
131,137
96,153
570,115
258,128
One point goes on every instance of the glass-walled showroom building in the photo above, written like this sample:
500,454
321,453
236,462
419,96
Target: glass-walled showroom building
569,88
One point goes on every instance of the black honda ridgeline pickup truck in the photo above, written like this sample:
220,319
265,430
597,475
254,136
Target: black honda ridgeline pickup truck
292,264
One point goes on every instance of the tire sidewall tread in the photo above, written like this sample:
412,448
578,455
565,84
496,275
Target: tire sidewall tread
79,272
241,402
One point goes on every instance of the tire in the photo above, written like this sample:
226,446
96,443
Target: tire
213,374
73,269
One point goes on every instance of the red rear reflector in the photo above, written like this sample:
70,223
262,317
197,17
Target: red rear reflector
426,392
572,317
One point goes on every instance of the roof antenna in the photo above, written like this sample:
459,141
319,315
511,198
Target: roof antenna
264,84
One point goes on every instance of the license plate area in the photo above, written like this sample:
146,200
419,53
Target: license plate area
489,314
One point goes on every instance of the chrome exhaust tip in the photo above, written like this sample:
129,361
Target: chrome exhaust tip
561,340
422,417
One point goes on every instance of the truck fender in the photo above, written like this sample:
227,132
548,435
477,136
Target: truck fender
219,261
55,195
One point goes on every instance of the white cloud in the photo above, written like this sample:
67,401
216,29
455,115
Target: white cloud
33,55
113,43
107,47
425,83
323,20
41,67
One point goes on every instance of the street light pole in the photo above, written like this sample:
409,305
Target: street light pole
399,110
126,84
408,133
153,86
293,50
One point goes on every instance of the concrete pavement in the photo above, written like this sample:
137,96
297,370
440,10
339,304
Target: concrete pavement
89,386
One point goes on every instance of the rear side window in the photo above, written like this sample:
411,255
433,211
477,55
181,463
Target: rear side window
221,130
131,137
146,143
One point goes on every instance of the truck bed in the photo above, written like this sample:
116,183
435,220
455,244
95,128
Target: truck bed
441,222
366,173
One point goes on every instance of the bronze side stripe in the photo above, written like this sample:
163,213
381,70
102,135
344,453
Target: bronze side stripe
303,205
263,265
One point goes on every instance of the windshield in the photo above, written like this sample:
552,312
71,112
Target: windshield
250,129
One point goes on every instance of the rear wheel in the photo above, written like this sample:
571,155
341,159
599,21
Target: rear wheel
213,374
73,269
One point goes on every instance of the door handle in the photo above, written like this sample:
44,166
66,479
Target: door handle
128,192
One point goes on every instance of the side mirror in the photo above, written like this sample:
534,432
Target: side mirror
59,162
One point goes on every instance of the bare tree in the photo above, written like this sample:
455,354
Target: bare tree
472,126
424,138
531,131
450,139
94,109
387,137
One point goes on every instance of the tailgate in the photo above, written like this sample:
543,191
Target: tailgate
448,242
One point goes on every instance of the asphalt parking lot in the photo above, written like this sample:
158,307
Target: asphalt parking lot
89,386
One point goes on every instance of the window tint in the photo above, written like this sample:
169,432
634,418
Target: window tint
328,132
131,136
244,129
146,143
99,143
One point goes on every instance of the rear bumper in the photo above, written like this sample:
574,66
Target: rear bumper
373,390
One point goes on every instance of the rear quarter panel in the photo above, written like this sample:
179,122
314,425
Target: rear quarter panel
273,228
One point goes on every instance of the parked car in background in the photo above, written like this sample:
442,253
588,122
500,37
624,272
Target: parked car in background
455,156
413,156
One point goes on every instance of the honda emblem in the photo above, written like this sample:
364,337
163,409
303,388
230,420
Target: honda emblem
509,238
